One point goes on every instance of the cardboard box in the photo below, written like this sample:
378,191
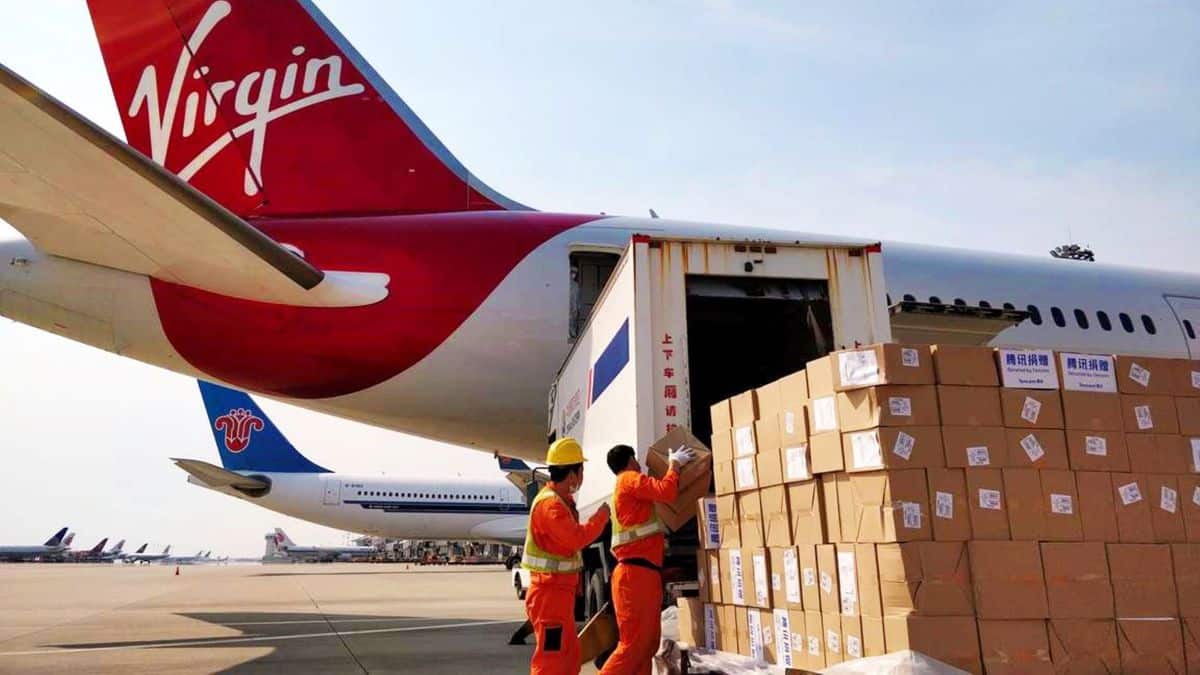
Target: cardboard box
885,506
714,586
1185,561
759,585
694,478
1189,498
708,523
734,567
926,578
949,514
769,400
1023,502
874,643
789,638
745,474
1144,375
727,628
1060,506
720,416
722,446
965,365
832,625
1191,644
793,425
766,627
823,415
1132,507
768,468
1077,580
890,405
886,363
820,377
845,503
751,525
1096,506
831,510
777,523
810,589
1027,368
814,640
893,448
743,409
1083,647
1185,376
827,579
730,521
1097,450
1166,508
1150,646
797,464
767,437
745,443
825,452
1037,448
1014,647
870,602
1149,414
975,446
950,639
1087,372
793,391
1188,413
749,636
986,504
1092,411
1031,408
969,406
852,638
805,512
691,621
847,576
786,591
724,482
1143,581
1007,579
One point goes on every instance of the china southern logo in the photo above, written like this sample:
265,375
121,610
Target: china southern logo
238,424
259,96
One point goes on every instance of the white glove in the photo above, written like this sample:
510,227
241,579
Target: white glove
682,455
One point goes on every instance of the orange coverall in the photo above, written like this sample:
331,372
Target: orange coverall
550,600
637,592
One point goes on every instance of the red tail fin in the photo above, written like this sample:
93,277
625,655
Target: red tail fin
266,108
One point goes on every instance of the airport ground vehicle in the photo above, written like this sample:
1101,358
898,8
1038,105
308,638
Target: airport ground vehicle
684,323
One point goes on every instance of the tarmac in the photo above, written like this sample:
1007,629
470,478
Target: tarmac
330,618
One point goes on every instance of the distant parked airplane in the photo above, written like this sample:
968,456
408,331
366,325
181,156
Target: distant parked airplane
53,547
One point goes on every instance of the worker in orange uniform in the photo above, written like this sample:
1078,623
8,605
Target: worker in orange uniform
637,543
552,555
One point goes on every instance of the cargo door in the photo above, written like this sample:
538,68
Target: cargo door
1187,311
333,492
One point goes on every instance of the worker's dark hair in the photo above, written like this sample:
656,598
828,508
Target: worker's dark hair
618,457
560,473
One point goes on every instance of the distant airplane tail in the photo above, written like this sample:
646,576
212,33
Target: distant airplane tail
117,549
99,548
268,109
141,549
57,539
167,550
246,439
68,540
282,540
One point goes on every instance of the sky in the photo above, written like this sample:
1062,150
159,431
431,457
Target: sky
1014,128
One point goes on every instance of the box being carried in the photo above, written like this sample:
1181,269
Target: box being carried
694,478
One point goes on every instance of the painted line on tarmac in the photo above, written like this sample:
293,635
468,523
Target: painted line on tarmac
219,642
321,621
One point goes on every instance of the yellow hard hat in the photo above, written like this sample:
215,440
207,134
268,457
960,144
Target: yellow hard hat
564,452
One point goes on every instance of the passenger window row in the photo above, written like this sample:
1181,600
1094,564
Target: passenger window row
1081,317
423,495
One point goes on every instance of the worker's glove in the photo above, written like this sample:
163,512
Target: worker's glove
682,455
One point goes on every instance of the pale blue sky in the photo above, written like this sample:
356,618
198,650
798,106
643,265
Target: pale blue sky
961,124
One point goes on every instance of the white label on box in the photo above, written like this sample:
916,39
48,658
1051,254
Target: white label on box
1144,420
783,630
712,524
858,368
853,647
910,358
710,626
1169,499
809,576
735,577
814,645
789,422
776,581
745,473
903,447
1061,504
716,576
824,413
1195,454
833,641
791,575
1130,493
1027,368
755,626
900,406
865,451
848,582
768,633
989,499
762,589
1195,379
1088,372
1032,448
911,515
1139,374
1095,445
743,439
944,505
826,583
1031,409
796,459
978,456
1196,495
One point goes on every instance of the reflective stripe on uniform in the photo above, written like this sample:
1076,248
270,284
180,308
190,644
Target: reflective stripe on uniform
548,565
625,536
536,559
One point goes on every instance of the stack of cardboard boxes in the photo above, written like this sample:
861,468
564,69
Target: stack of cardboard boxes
999,510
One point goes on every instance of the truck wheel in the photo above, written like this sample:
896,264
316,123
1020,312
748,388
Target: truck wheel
517,585
595,595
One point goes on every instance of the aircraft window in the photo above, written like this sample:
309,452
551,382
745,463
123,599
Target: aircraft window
908,297
933,299
1081,319
1103,318
985,304
1149,324
1187,326
1009,305
1059,319
1126,322
1035,315
589,273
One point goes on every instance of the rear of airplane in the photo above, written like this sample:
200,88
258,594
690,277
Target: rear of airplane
57,539
117,549
141,549
99,547
246,438
284,542
167,550
67,541
265,107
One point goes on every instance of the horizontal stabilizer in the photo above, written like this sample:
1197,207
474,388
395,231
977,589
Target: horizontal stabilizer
216,477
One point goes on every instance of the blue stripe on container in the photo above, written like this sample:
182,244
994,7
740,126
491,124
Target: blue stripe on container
611,362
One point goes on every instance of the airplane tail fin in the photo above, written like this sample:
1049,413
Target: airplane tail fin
167,550
268,109
99,548
246,438
142,548
283,541
69,539
57,539
120,545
